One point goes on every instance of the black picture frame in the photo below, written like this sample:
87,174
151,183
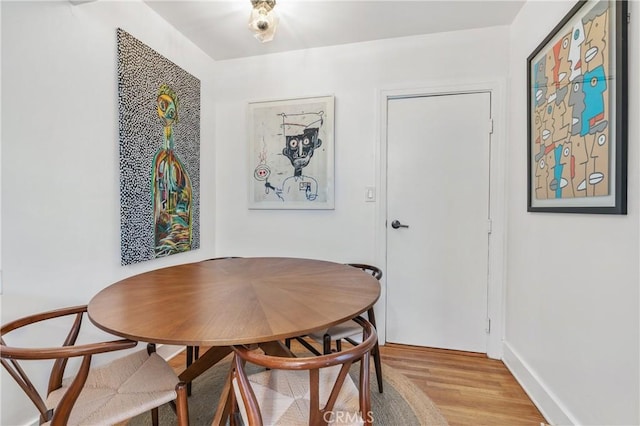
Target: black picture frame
577,113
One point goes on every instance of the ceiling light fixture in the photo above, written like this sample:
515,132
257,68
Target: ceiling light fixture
263,20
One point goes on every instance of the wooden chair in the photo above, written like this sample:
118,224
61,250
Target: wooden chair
107,394
193,352
347,330
282,393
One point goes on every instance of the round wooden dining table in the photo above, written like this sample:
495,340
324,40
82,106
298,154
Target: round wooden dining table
233,301
223,302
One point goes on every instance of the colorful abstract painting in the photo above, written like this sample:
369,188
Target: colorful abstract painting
575,114
159,131
291,154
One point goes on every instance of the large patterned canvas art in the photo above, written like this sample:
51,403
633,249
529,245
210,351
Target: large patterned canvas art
578,112
159,118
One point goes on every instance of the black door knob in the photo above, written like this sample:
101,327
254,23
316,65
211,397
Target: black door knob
396,224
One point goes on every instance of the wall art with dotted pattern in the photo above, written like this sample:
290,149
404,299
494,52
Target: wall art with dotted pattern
159,132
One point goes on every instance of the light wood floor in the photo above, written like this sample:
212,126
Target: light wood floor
469,389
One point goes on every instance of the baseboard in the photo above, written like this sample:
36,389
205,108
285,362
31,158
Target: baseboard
547,402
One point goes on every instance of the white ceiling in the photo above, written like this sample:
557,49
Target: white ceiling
219,27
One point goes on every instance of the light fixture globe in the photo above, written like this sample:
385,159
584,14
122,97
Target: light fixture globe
263,20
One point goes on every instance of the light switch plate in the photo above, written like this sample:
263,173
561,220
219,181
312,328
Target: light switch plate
370,194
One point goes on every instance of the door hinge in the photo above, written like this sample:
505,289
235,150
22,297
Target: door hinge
628,17
488,327
490,126
489,226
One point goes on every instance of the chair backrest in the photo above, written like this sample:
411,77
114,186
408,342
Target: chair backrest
317,414
12,355
373,270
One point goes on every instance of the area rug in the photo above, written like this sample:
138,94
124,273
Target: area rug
401,403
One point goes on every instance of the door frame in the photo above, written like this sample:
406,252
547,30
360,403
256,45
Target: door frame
496,294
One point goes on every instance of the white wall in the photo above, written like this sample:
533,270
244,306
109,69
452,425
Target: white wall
355,74
572,322
60,161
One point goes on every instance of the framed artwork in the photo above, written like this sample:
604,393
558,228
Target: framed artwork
577,113
291,160
159,135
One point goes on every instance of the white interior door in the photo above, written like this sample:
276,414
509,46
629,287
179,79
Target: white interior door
438,154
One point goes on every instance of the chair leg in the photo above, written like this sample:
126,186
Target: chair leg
339,345
189,362
154,416
376,350
378,364
234,410
287,343
326,345
189,355
371,315
151,348
196,352
375,353
182,410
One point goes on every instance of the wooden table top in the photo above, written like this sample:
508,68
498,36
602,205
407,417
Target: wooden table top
233,301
